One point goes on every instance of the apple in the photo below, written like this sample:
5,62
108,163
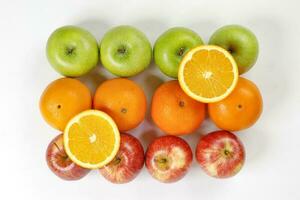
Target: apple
240,42
168,158
72,51
127,163
59,162
171,46
125,51
221,154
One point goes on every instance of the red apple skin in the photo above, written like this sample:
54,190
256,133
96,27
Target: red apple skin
59,162
168,158
128,162
220,154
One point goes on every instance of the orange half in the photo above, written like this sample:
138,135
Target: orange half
91,139
208,73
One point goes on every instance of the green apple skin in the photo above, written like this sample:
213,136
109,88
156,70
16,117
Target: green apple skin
240,42
125,51
72,51
171,46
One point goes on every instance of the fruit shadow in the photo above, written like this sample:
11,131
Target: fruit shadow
149,80
95,26
269,73
99,74
151,27
206,127
148,136
93,79
256,142
146,132
266,74
204,28
152,83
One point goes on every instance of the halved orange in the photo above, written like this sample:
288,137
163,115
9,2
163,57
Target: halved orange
91,139
208,73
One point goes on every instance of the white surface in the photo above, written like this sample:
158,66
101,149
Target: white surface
272,145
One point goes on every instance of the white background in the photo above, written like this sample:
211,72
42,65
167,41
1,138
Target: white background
272,145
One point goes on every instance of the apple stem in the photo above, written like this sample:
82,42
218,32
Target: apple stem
227,153
181,51
60,151
230,50
57,147
117,160
162,160
70,50
121,50
162,163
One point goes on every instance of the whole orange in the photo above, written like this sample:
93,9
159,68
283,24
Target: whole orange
240,110
123,100
62,100
174,112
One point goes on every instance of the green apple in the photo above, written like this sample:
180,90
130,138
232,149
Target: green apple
171,46
125,51
240,42
72,51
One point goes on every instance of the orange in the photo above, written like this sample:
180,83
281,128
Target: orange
208,73
174,112
91,139
63,99
240,110
123,100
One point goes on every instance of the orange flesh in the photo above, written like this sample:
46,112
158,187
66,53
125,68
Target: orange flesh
91,140
208,74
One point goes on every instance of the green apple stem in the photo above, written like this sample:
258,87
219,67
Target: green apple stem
70,50
181,51
121,50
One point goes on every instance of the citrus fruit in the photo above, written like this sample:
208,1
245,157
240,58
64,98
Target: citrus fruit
240,109
123,100
171,46
208,73
240,42
174,112
91,139
62,100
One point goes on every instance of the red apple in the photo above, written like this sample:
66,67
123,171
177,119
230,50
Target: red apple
221,154
168,158
59,162
127,163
